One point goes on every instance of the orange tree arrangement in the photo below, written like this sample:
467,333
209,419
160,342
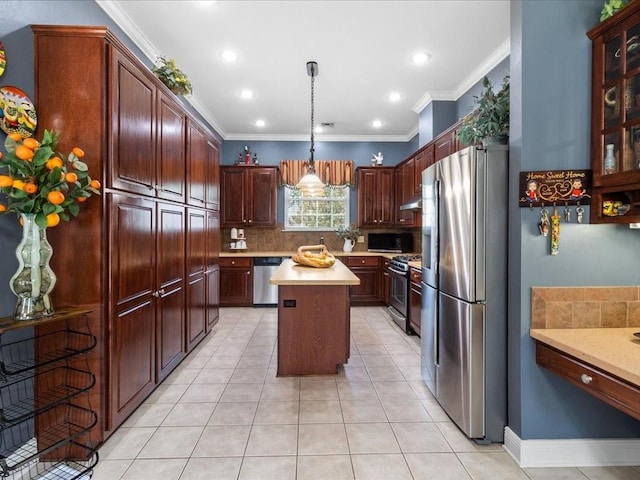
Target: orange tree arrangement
37,180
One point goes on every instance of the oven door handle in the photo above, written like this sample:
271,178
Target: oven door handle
397,272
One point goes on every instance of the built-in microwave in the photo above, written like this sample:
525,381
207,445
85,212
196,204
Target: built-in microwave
390,242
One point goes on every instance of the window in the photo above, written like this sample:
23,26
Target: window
318,213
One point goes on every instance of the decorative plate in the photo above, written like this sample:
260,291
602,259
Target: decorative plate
3,59
17,113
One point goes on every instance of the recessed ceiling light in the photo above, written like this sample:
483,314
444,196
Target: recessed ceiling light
420,58
246,94
377,123
229,56
318,129
260,123
394,97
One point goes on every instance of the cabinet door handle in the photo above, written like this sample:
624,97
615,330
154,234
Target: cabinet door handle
586,379
156,294
248,272
162,292
362,261
233,262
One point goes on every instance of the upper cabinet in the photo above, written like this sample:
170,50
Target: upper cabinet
249,196
375,196
615,118
424,158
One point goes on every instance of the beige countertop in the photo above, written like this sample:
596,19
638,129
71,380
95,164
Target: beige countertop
335,253
290,273
417,264
613,350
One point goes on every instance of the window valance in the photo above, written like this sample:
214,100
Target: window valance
332,172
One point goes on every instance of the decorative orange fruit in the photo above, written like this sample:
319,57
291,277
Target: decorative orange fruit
31,143
5,181
30,188
53,219
24,153
55,197
54,162
95,184
78,152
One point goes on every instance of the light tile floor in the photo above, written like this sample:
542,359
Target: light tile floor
223,414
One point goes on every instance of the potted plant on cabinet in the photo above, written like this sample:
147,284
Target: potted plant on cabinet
611,7
174,78
489,122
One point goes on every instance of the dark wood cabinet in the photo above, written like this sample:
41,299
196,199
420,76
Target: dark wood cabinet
132,241
133,151
249,196
445,144
375,196
212,196
367,269
415,299
196,276
615,117
610,389
236,281
212,272
312,340
405,192
424,158
132,359
386,282
196,165
170,299
170,183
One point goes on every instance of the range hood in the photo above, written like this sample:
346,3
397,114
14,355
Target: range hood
413,204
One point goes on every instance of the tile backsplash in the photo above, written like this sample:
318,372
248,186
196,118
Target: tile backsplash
585,307
277,239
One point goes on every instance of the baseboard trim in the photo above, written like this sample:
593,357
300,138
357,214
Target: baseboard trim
587,452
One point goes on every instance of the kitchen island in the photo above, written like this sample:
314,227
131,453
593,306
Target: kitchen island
313,317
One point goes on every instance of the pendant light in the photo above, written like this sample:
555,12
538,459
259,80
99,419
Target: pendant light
310,185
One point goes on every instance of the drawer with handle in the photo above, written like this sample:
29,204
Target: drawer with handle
608,388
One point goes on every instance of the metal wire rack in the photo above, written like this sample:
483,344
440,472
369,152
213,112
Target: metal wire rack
45,418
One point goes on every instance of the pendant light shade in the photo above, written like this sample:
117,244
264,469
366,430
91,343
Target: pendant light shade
310,184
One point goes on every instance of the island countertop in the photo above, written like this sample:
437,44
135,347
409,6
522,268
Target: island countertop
290,273
613,350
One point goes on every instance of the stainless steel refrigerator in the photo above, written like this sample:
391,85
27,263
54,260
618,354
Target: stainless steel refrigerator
464,291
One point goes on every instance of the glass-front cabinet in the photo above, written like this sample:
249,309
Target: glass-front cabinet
615,118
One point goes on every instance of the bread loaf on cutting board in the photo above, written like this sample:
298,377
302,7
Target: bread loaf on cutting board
314,256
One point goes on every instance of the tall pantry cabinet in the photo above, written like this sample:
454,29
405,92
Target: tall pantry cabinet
142,256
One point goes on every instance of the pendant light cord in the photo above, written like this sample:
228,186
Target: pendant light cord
312,150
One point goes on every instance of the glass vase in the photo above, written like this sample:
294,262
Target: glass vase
34,280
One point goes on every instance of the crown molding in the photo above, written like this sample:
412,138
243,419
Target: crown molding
484,68
320,137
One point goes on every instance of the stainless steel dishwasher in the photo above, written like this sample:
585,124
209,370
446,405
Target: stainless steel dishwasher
265,294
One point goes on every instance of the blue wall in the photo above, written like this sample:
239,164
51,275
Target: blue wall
550,88
467,102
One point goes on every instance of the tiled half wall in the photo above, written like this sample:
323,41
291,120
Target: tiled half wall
585,307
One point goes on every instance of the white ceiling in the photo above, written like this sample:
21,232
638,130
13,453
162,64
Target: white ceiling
363,50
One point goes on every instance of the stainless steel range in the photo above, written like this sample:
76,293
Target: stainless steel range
399,308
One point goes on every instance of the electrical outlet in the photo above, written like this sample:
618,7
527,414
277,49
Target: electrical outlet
361,239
